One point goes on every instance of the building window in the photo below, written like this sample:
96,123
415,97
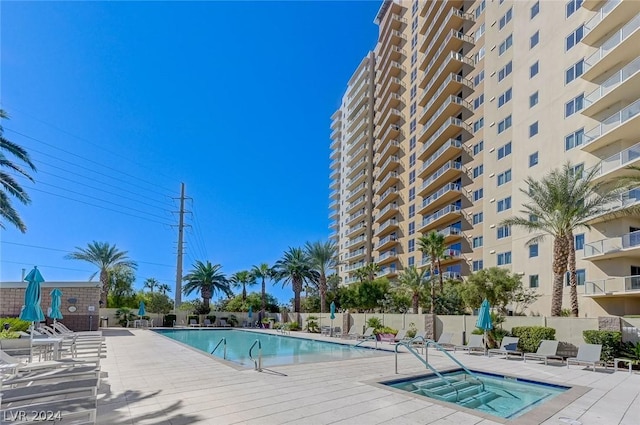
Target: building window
414,58
533,250
478,147
412,210
412,176
478,124
533,281
412,228
505,70
412,109
504,177
535,9
574,105
479,32
414,24
572,6
581,277
412,126
412,194
479,55
412,143
504,258
414,41
504,46
478,265
504,124
574,38
412,159
477,241
574,71
533,129
477,171
478,101
574,139
411,261
504,204
534,40
414,90
478,78
480,9
411,245
414,74
478,218
533,159
506,18
533,100
579,242
534,69
504,150
503,232
478,194
504,97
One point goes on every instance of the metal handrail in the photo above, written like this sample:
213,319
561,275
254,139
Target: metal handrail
224,352
370,338
440,348
257,364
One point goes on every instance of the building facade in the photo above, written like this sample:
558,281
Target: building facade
468,99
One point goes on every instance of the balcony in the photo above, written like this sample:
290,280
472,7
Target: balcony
386,242
357,179
353,230
358,190
358,149
449,130
453,84
388,272
334,214
358,203
334,225
607,18
619,48
391,179
440,217
335,174
452,63
390,148
622,86
626,200
355,266
388,195
616,165
334,185
392,132
621,126
360,215
336,151
450,234
613,286
620,246
357,241
392,102
592,4
356,121
452,106
454,19
357,167
391,163
454,42
387,227
447,173
387,212
335,194
450,149
393,22
387,257
334,164
356,254
390,118
444,195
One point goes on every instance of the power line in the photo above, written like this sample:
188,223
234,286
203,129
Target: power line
44,266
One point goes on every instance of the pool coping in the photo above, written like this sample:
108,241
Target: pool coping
535,416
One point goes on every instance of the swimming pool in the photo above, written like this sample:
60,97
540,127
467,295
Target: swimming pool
277,350
497,395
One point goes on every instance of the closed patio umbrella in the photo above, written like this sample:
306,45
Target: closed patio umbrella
56,302
141,311
332,309
484,320
32,312
250,314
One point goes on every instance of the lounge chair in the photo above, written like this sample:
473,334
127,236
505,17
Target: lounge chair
401,336
508,346
193,323
224,324
546,350
476,343
207,323
368,334
418,340
353,333
325,330
445,340
337,331
588,354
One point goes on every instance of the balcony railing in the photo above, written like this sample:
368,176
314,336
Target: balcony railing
387,270
450,231
355,241
613,284
393,205
610,245
436,115
627,199
452,56
451,121
356,253
356,215
386,239
613,121
451,142
440,213
392,143
446,188
451,77
612,82
390,222
389,191
357,176
356,202
391,175
386,255
612,42
393,158
355,266
449,165
356,227
600,15
620,159
357,188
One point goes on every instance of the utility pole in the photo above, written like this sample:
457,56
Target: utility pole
178,299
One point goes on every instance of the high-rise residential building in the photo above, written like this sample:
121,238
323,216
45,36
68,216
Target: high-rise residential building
471,98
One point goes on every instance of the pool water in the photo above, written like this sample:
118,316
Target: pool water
500,396
277,350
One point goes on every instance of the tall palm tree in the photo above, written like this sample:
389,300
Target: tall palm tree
107,258
263,272
242,279
151,283
559,203
295,268
412,280
433,246
163,288
206,278
361,274
372,270
9,186
323,256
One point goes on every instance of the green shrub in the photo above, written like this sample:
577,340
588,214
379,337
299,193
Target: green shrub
232,320
385,330
293,326
530,336
631,351
375,323
212,318
611,342
169,320
125,315
5,334
15,324
312,324
193,317
412,331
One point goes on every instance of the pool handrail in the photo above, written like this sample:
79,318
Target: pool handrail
440,348
224,353
257,364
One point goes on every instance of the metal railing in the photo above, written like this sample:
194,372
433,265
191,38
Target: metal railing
223,341
612,42
600,15
612,82
257,363
612,122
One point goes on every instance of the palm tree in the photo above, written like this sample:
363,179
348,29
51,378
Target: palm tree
242,279
412,280
107,258
9,185
372,269
295,268
361,274
323,256
263,272
163,288
206,278
151,283
558,204
433,246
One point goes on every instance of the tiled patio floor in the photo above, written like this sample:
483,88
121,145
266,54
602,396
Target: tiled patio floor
153,380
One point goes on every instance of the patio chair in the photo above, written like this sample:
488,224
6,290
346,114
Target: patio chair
546,350
476,343
353,333
325,330
445,340
588,354
337,331
224,324
401,336
418,340
368,334
207,323
193,323
508,346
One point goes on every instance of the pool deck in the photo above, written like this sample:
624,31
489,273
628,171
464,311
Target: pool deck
150,379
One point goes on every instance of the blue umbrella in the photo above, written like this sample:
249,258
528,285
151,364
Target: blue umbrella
484,320
32,312
141,310
250,314
56,302
332,309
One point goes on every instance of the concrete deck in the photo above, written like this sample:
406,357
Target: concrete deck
150,379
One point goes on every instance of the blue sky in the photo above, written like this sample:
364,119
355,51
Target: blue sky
119,102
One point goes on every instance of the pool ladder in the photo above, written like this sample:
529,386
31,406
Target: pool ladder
257,363
223,341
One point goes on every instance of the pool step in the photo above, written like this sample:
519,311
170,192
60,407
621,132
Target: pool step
482,398
454,392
